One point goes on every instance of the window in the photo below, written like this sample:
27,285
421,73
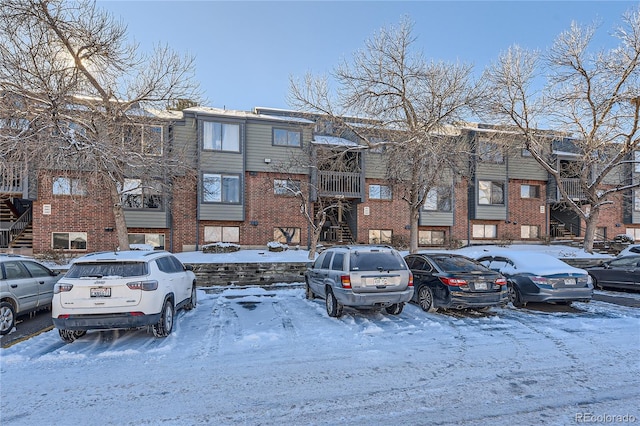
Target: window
15,270
380,236
489,152
485,231
636,200
152,140
529,231
636,157
633,232
286,235
338,262
286,187
218,188
154,240
68,186
380,192
222,234
430,238
169,265
220,136
529,191
36,270
438,199
138,195
601,233
284,137
490,192
69,240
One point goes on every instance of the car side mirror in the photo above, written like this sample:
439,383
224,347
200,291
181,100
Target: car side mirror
188,267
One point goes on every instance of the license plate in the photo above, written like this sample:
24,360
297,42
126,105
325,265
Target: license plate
480,286
100,292
379,281
569,281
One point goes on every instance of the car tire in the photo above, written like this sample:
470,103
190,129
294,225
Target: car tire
596,286
7,318
70,336
164,326
425,299
514,296
395,309
308,292
193,300
334,308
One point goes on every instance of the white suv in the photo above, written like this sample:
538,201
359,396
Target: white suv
125,289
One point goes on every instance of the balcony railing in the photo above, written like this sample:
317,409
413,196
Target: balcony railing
573,188
12,178
15,229
346,184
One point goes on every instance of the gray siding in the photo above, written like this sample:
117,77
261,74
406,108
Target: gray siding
146,219
375,165
221,212
491,171
431,218
259,147
496,212
525,168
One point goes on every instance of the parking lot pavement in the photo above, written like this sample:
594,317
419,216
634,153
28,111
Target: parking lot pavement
28,326
618,299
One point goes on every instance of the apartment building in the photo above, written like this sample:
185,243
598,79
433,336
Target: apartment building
247,166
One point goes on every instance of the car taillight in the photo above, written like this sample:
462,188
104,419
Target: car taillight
455,282
346,281
61,288
501,281
143,285
540,280
410,279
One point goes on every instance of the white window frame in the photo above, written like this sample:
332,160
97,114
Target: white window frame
434,199
145,192
153,240
527,194
529,232
278,235
427,237
286,187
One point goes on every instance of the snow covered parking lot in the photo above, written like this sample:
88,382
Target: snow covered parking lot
258,356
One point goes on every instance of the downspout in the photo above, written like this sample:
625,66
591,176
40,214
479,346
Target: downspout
195,115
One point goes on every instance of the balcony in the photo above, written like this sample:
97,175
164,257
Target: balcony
346,184
12,178
572,186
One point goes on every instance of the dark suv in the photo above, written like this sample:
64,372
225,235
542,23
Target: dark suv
360,277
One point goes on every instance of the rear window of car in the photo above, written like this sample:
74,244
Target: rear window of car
376,261
457,264
111,269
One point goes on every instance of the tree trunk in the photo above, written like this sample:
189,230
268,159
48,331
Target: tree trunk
413,232
591,223
120,223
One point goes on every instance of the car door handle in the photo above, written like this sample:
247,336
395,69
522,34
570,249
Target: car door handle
40,282
14,285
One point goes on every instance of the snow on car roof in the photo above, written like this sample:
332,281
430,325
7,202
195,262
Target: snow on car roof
120,255
532,262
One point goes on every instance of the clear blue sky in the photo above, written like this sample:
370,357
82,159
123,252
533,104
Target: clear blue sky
246,50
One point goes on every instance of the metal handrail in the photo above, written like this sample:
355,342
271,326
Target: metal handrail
16,228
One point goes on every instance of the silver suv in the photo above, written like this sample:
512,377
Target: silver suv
25,286
124,289
360,277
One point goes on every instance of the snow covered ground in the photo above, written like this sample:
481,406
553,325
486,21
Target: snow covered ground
256,356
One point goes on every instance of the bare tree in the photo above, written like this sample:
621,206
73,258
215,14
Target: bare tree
590,99
408,103
85,97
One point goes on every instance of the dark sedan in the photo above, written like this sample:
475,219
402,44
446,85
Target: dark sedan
452,281
620,273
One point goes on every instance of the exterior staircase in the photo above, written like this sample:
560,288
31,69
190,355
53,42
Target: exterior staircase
16,230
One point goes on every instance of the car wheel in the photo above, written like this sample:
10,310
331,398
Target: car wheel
70,336
514,296
7,317
308,292
595,283
193,301
395,309
164,326
334,308
425,299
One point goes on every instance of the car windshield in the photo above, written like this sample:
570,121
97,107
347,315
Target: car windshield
99,269
457,264
372,261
